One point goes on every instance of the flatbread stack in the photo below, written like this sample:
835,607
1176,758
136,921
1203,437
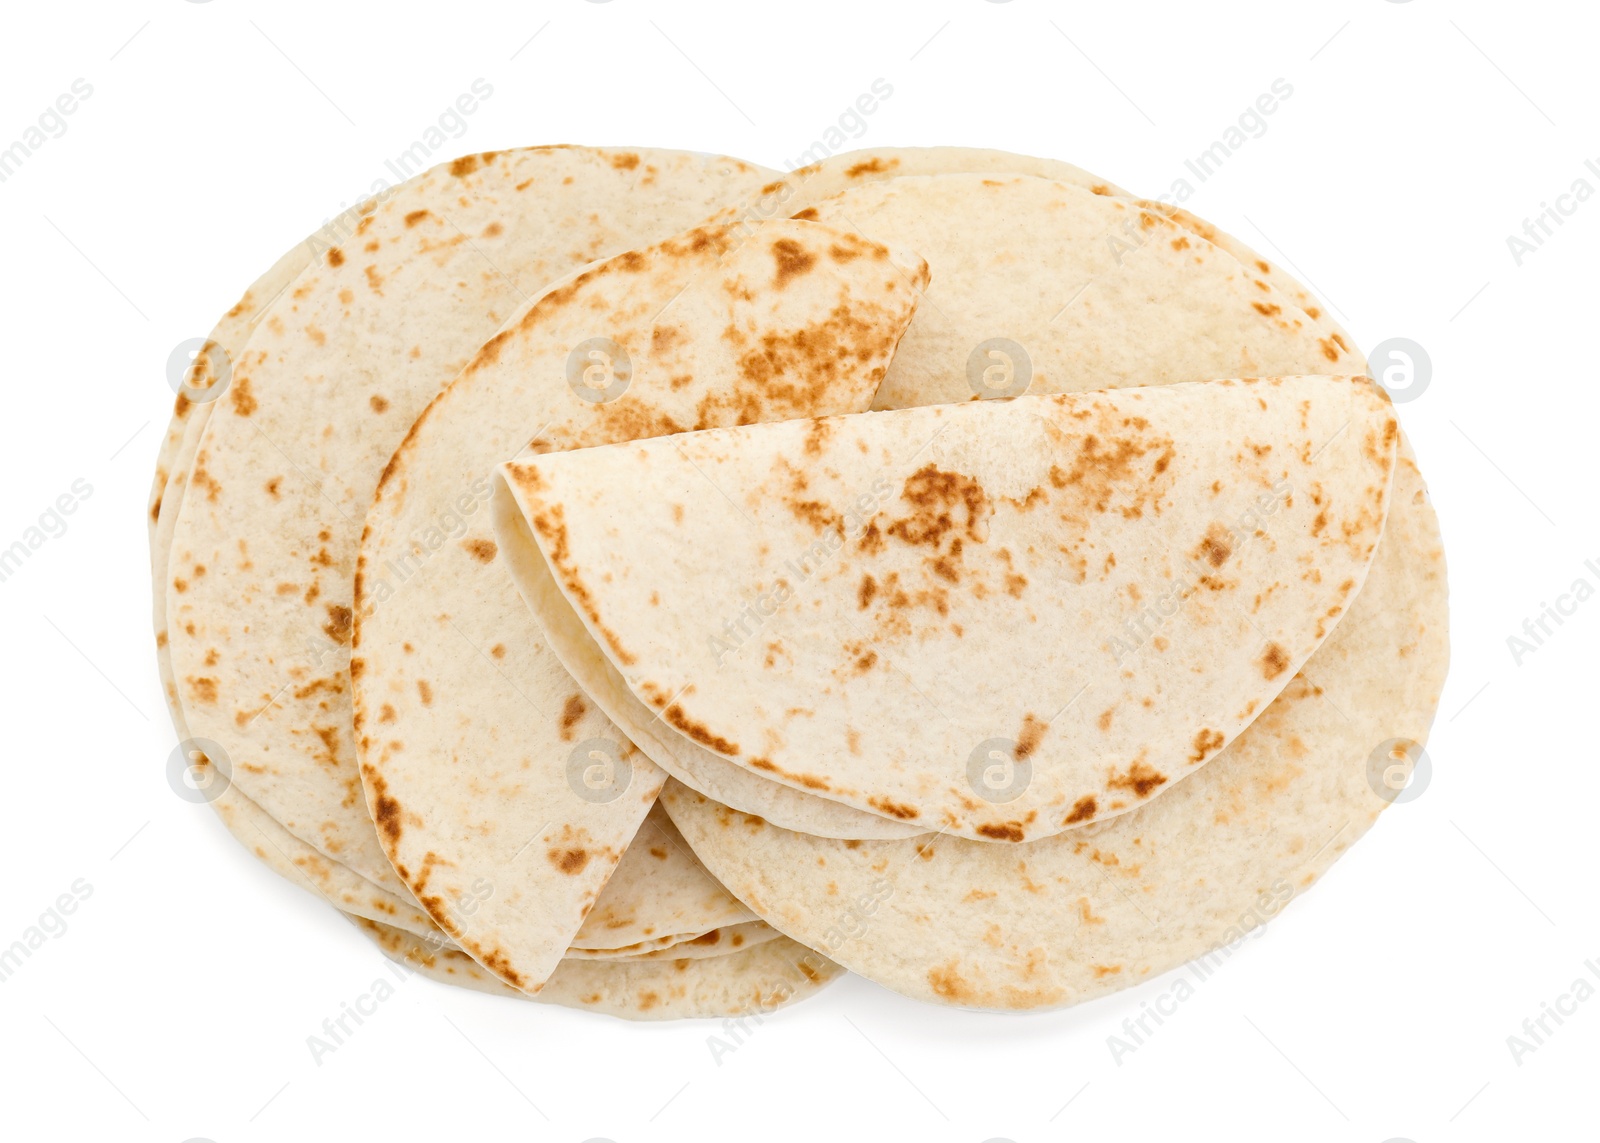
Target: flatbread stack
638,581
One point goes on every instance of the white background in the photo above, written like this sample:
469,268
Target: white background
1418,137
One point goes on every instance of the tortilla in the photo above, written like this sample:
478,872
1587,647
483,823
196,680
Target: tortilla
1188,875
752,982
895,610
799,192
259,590
659,891
296,862
659,897
794,320
701,946
1049,266
227,337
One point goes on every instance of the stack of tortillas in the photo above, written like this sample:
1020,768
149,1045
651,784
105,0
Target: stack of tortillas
645,582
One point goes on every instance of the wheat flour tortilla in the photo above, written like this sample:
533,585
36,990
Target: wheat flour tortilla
1022,248
791,320
259,591
659,887
212,366
668,893
281,851
753,981
957,578
1079,281
1187,875
258,833
797,192
660,895
701,946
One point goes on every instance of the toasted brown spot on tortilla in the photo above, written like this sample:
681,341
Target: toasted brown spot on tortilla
338,626
331,685
1029,737
1273,661
868,589
1082,810
947,982
379,404
935,496
385,809
1141,779
569,861
424,692
1205,743
336,257
792,259
481,550
464,166
571,712
240,397
1216,547
698,731
872,166
809,214
415,217
1005,831
892,808
626,161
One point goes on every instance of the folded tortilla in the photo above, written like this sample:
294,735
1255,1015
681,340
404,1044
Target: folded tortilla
1000,619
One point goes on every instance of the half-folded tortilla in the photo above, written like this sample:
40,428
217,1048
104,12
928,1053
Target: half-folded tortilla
941,614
